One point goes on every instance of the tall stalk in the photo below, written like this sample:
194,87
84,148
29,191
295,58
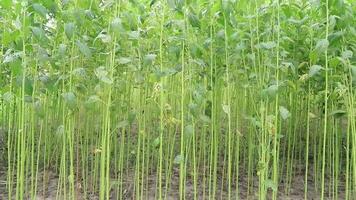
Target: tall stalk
325,103
161,100
276,122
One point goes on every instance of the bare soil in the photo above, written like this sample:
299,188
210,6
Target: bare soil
48,180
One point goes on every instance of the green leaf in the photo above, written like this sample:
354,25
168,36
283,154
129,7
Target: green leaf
313,56
106,80
149,58
79,72
171,3
49,82
334,62
42,54
267,45
105,38
6,3
156,142
353,72
69,98
60,130
40,9
93,99
62,48
131,117
338,113
314,70
226,6
11,57
39,33
178,159
193,108
39,110
8,97
311,115
189,130
270,184
254,121
29,99
116,26
102,75
69,29
124,60
134,35
84,49
16,67
322,45
261,166
28,84
271,91
204,118
176,4
346,54
226,109
285,114
194,20
122,124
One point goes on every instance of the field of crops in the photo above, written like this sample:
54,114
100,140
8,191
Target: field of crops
177,99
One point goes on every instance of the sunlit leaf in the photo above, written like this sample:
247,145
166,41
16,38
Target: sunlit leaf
226,109
134,35
270,90
178,159
285,114
205,118
189,130
346,54
93,99
314,70
103,75
122,124
124,60
116,26
105,38
69,98
322,45
8,97
271,184
267,45
149,58
60,130
6,3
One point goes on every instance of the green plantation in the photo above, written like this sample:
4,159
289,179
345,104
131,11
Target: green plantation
177,99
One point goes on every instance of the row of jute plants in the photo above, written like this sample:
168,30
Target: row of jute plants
226,93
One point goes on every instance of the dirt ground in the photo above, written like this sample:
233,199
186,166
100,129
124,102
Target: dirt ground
47,189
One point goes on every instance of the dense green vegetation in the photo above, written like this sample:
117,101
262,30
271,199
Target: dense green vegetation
202,95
